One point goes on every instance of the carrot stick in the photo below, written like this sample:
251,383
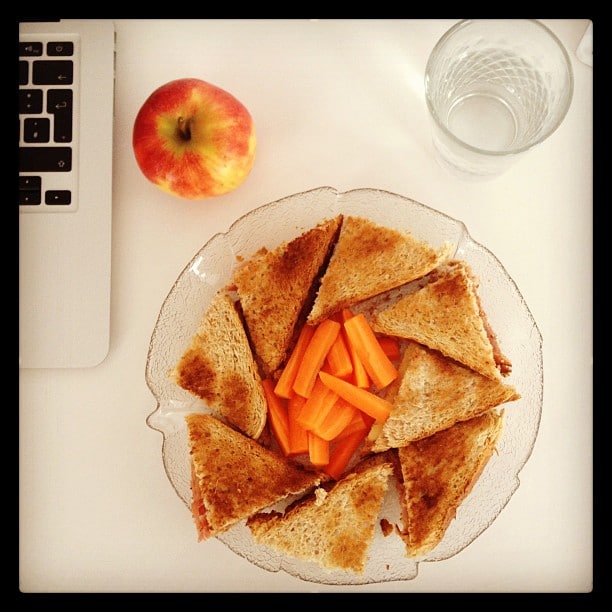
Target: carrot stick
278,416
298,438
360,422
371,404
314,356
377,364
338,359
360,376
317,406
390,347
318,450
342,452
284,384
338,418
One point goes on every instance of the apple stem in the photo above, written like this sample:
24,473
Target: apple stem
184,128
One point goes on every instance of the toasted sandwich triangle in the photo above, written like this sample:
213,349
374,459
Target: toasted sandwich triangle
276,289
439,472
445,315
334,528
233,476
219,368
432,393
369,259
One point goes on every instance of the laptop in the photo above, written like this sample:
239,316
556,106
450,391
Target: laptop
66,97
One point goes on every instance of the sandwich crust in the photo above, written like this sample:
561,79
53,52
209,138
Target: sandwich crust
369,259
438,474
332,528
276,288
233,476
432,393
218,367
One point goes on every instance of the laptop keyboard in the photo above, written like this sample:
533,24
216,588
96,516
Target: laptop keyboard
48,87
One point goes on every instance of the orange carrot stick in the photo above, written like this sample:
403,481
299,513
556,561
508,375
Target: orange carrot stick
360,377
371,404
298,438
342,452
285,382
360,422
338,359
390,347
314,356
317,406
318,450
278,416
377,364
340,415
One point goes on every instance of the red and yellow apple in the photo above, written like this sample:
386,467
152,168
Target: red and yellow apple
194,140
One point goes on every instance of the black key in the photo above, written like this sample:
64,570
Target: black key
36,130
29,189
60,48
30,101
59,104
60,197
30,182
30,49
24,72
52,72
29,196
45,159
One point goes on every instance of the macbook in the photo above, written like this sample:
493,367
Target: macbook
66,94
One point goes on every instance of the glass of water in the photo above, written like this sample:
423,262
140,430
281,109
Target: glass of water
494,90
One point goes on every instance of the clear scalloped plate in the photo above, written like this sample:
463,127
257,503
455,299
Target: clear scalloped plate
279,221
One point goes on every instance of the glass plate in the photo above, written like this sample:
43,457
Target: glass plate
279,221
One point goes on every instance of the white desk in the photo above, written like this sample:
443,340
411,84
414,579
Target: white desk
336,103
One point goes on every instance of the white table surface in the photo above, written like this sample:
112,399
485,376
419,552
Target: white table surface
336,103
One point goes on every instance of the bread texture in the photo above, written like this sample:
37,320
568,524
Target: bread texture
445,314
333,528
432,393
369,259
233,476
218,367
276,287
438,474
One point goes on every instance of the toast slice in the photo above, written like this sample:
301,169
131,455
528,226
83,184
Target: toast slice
445,314
276,288
432,393
438,473
232,476
334,527
218,367
369,259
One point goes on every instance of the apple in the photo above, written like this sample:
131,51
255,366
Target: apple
194,140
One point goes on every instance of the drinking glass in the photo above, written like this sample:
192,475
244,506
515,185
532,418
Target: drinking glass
495,88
